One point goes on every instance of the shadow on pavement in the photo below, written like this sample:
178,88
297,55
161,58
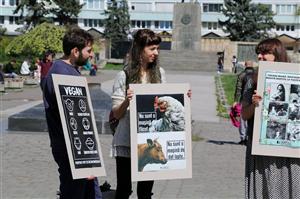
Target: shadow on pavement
220,142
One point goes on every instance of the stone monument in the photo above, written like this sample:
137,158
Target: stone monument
186,34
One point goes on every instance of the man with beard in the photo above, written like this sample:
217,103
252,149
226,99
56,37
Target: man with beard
77,47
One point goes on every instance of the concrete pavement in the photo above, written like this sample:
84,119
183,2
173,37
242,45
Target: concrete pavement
29,171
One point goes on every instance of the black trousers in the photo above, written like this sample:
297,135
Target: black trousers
124,185
69,188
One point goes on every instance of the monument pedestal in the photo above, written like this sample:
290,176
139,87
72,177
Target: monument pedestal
186,34
34,120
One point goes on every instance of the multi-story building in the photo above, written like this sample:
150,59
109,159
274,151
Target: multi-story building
158,15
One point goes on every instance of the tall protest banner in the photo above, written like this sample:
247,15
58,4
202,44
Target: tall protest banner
277,118
79,126
160,126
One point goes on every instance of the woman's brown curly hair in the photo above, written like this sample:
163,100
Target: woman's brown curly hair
141,39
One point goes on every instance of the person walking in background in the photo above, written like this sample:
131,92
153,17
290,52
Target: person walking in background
46,64
238,96
142,68
234,64
89,66
220,63
267,176
77,48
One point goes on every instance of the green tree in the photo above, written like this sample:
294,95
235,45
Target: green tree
66,12
2,31
117,23
35,11
297,13
246,21
35,42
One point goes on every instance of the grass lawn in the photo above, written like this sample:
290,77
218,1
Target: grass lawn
110,66
228,82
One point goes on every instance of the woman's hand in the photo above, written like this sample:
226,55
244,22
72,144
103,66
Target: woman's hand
256,98
91,177
129,94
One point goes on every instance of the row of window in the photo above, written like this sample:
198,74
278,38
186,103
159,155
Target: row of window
286,9
93,4
211,25
285,28
134,24
12,20
147,24
10,2
166,7
212,7
93,22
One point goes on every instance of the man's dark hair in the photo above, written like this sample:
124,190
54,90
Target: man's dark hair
76,38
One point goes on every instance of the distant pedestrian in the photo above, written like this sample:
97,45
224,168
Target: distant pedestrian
238,97
77,47
234,64
220,63
46,64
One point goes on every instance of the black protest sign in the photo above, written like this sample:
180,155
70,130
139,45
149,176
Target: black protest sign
79,126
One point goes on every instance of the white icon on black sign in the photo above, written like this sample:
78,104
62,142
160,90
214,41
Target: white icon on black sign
77,143
86,123
73,123
69,104
90,143
82,105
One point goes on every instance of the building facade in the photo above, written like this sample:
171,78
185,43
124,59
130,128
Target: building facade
158,15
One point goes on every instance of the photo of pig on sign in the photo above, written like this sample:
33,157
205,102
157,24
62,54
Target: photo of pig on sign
160,132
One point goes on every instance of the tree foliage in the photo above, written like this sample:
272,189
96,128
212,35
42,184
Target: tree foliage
2,31
32,12
298,10
117,24
66,12
246,21
35,42
35,12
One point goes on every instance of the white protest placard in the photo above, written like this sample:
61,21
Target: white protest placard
160,126
79,126
277,119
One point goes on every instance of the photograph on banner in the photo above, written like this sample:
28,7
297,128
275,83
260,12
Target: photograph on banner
277,120
79,126
161,130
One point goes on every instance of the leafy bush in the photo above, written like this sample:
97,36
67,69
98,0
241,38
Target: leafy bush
34,43
4,42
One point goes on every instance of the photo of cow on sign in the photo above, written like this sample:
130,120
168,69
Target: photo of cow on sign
150,153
